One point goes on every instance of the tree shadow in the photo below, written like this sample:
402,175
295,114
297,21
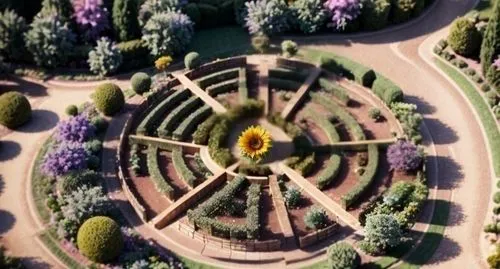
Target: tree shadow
456,216
442,134
9,150
450,173
2,184
23,86
7,221
31,262
424,107
447,250
41,120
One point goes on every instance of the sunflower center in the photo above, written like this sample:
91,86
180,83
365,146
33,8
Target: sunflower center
256,143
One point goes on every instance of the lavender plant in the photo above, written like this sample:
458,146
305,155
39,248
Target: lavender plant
343,11
404,156
105,58
68,156
168,33
309,15
151,7
91,17
269,17
75,129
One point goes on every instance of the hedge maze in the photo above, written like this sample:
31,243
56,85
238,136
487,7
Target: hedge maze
213,193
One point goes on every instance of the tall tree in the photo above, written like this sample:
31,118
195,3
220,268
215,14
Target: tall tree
491,41
125,23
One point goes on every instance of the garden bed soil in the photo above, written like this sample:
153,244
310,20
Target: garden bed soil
276,104
229,100
317,131
168,171
240,197
270,228
319,166
144,188
191,163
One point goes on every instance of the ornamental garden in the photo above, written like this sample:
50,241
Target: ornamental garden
268,155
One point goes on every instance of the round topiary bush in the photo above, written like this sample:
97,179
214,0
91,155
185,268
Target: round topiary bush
289,48
15,109
464,38
108,98
141,82
100,239
71,110
192,60
342,256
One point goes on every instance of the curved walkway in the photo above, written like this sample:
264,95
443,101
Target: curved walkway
460,146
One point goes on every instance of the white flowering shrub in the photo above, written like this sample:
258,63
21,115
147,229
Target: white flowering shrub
105,58
269,17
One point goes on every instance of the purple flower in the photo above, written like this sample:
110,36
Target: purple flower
404,156
343,11
75,129
91,17
66,157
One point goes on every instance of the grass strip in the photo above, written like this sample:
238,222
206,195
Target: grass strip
54,248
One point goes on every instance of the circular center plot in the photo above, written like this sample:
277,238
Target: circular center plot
282,146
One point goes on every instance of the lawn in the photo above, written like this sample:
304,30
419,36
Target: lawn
488,121
221,42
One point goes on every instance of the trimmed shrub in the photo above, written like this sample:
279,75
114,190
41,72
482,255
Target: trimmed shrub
71,110
99,123
168,33
100,239
386,90
351,70
325,124
125,23
496,197
375,113
202,132
316,218
336,90
15,110
289,48
218,77
182,169
491,40
382,231
341,255
261,43
401,10
108,98
252,211
254,170
485,87
269,17
169,124
141,82
12,29
74,180
404,156
192,60
292,196
464,38
309,15
161,183
375,14
409,118
135,54
105,58
305,165
190,123
49,41
331,171
365,180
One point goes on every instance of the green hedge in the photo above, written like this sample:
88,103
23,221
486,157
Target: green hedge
161,183
218,77
284,84
344,116
147,125
202,132
365,180
191,122
182,169
335,89
325,124
387,90
223,87
175,116
135,55
216,143
300,141
304,164
349,69
252,212
330,172
242,85
288,74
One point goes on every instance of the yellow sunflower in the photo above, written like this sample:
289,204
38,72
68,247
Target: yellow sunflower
255,142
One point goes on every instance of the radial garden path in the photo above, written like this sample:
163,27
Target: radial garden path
400,54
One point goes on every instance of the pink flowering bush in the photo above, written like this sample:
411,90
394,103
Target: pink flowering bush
496,63
75,129
91,17
404,156
343,11
68,156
